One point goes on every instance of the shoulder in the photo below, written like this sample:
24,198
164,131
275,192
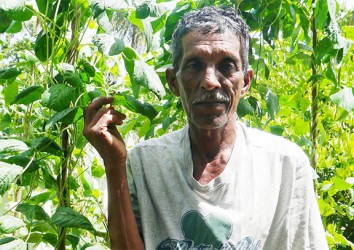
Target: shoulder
272,144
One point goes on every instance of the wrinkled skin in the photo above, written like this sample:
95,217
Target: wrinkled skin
210,80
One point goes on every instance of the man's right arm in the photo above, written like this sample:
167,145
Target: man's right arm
100,129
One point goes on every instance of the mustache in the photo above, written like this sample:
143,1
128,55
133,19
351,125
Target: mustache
212,96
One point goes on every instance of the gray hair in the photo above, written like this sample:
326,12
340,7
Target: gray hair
211,20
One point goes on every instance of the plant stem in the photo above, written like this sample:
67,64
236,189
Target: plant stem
314,91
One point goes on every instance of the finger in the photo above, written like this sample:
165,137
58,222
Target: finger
92,109
106,117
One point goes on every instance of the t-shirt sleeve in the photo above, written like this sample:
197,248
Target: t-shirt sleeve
133,196
306,228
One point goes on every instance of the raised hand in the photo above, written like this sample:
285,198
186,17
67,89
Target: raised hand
101,131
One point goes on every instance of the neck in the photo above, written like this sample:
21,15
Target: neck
211,150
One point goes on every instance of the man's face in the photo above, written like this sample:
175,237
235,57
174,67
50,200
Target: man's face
210,80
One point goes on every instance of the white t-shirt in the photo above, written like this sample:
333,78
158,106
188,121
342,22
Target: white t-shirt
264,198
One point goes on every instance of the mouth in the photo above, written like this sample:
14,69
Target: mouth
212,99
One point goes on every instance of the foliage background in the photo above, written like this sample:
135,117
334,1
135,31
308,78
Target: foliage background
58,55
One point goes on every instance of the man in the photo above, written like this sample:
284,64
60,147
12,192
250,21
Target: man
214,184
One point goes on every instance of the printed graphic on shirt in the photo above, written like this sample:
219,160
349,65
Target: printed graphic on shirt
209,232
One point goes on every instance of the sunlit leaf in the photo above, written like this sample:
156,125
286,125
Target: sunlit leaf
272,102
66,217
24,162
14,244
15,27
8,173
32,212
145,75
108,44
344,98
159,23
9,224
325,208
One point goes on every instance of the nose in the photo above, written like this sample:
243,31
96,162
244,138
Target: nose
210,79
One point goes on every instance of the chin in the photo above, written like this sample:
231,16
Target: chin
210,122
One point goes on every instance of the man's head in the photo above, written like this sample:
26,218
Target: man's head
211,20
210,73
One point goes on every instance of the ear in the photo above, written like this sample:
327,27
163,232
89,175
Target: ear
247,82
172,81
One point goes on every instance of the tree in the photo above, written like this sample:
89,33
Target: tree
72,51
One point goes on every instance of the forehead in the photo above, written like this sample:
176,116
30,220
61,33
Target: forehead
211,44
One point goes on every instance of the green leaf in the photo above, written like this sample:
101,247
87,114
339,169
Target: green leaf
6,240
5,21
23,161
301,127
32,212
43,46
276,130
323,50
70,74
42,197
159,23
67,116
88,68
341,184
325,208
9,224
244,108
272,102
344,98
330,74
145,75
10,91
97,8
29,95
47,145
97,170
8,173
130,54
142,11
15,27
108,45
6,74
20,13
134,105
321,13
66,217
58,97
173,19
74,240
14,245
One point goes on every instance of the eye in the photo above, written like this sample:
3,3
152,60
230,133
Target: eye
193,65
228,66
